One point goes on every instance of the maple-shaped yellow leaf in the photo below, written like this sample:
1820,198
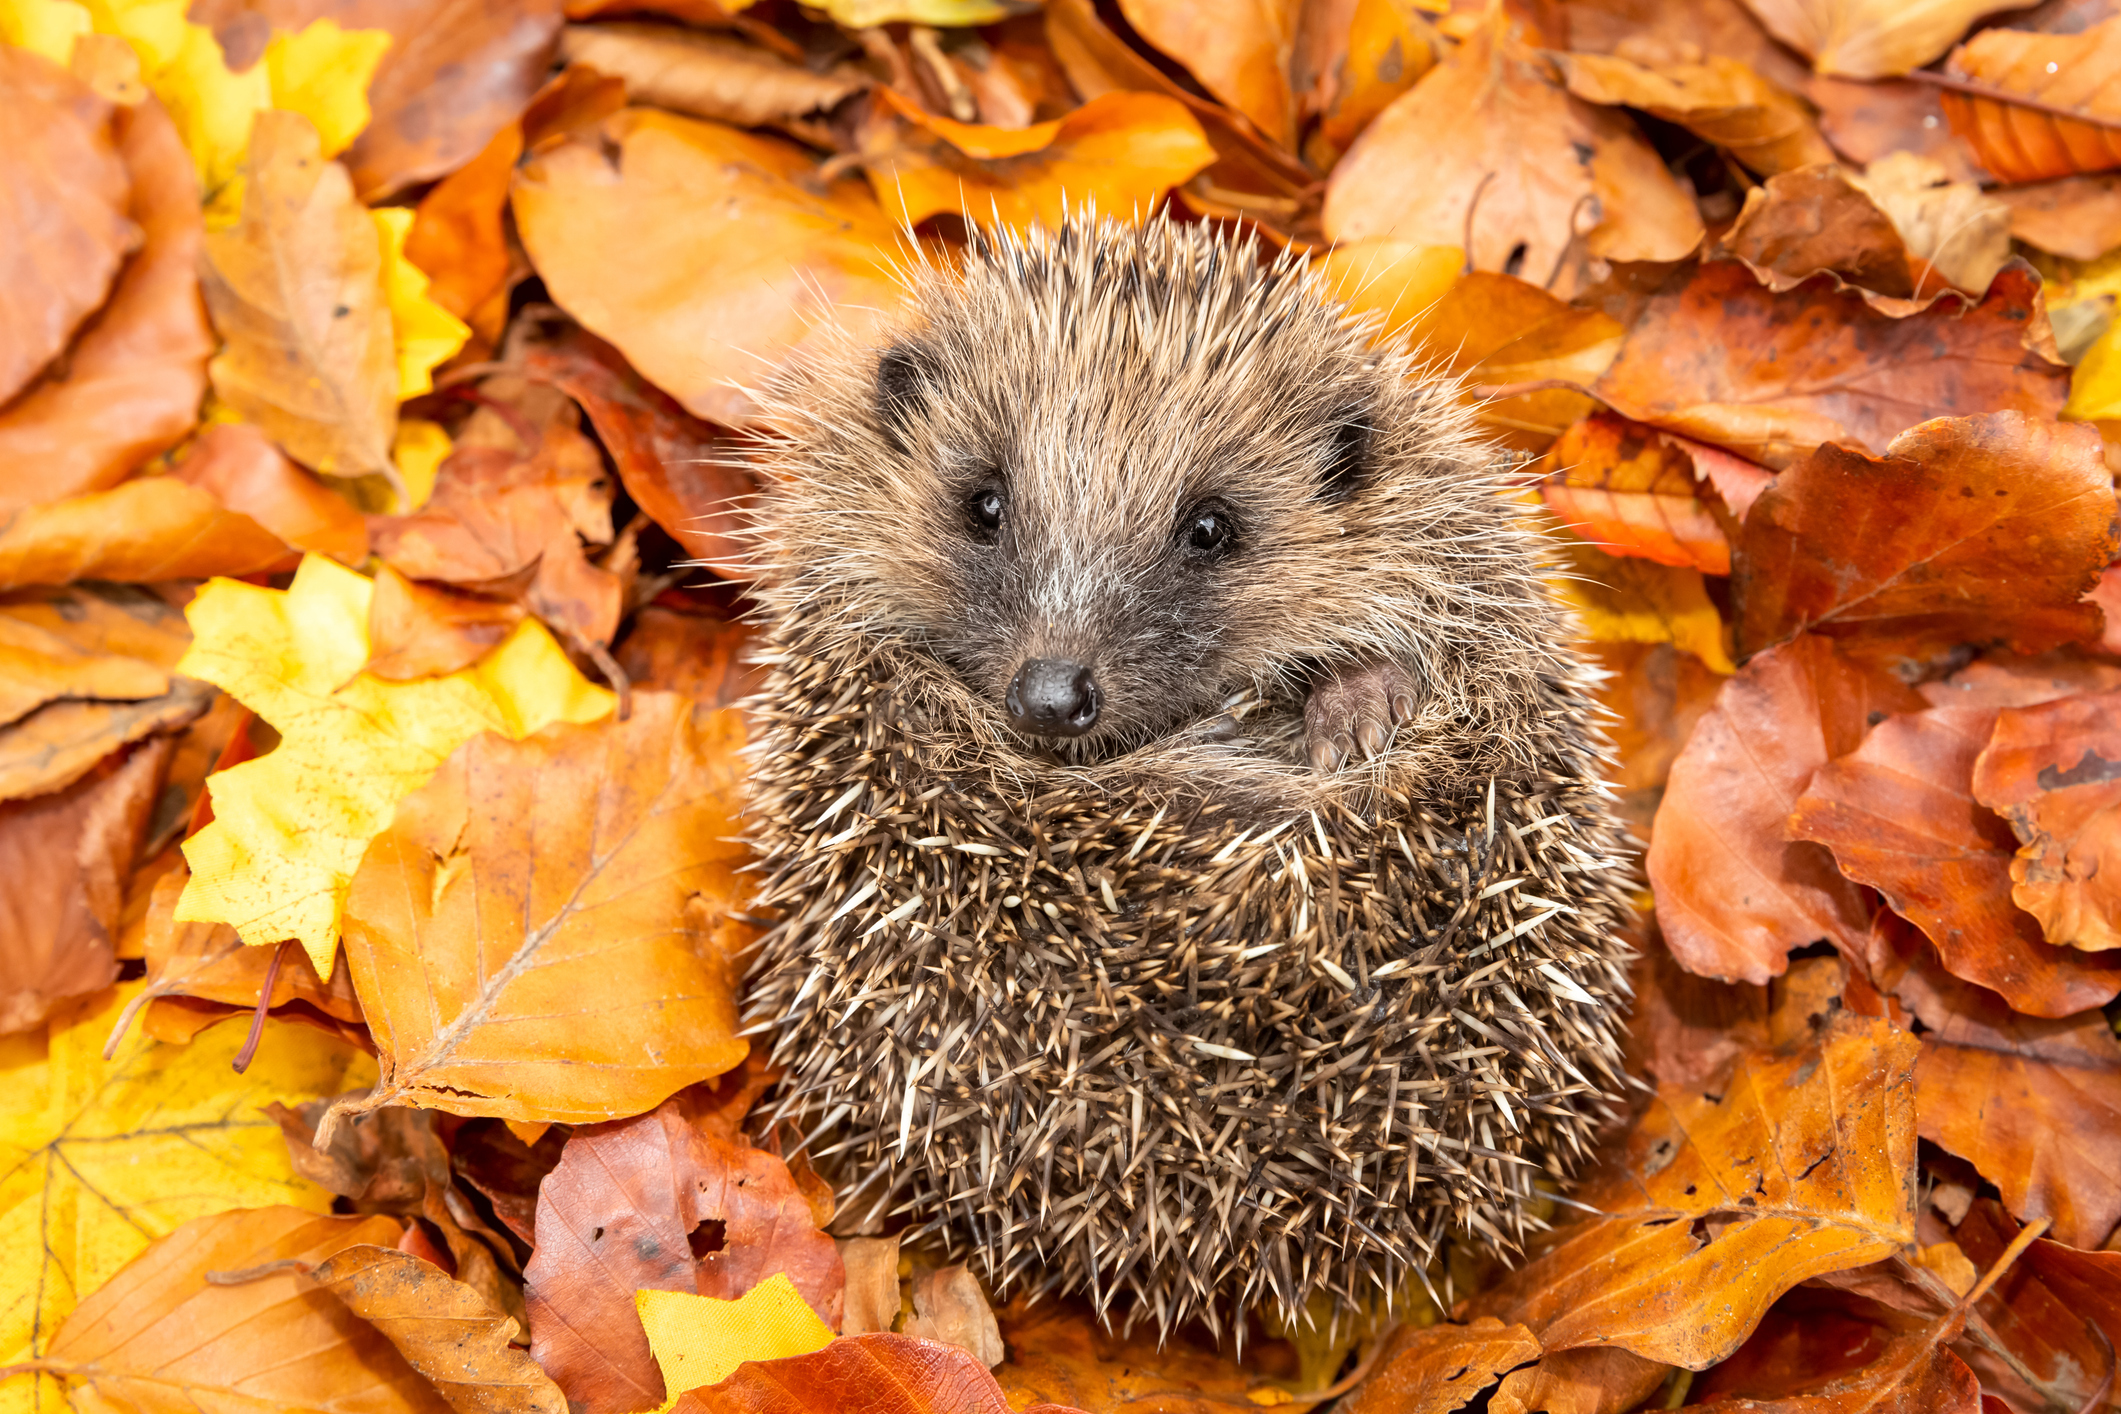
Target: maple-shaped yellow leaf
418,452
289,828
323,73
426,333
47,27
700,1340
100,1158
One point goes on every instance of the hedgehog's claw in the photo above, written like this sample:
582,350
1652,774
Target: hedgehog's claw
1355,708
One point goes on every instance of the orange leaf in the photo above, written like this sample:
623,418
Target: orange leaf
1656,692
1060,1352
1119,151
209,964
1239,52
236,465
130,385
66,189
1973,530
1719,100
697,656
457,234
2056,1313
2061,74
419,630
1870,39
1629,491
702,307
1592,1381
155,528
1734,893
1772,376
86,643
2054,771
1387,47
583,872
871,1374
1441,1368
2076,217
707,75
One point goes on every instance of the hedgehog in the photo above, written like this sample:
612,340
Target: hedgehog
1175,797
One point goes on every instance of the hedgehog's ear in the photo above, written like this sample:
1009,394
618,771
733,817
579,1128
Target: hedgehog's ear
902,376
1346,454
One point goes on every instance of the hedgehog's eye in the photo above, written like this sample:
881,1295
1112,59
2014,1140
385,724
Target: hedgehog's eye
1209,531
984,509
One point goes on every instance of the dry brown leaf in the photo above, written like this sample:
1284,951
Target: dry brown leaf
871,1302
2061,73
1984,530
701,307
707,75
1240,53
1594,1381
1651,32
1871,39
422,630
67,857
77,642
1734,893
949,1306
875,1374
1798,1164
1385,47
2075,217
1488,150
63,197
1962,232
2054,771
130,385
59,742
2056,1314
1719,358
161,1336
1441,1368
460,238
1060,1353
443,1328
675,1200
698,656
1719,100
1899,814
237,466
295,289
584,872
155,528
1626,489
208,964
1656,692
1868,121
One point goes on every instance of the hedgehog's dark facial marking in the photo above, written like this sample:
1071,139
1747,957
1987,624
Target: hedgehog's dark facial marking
902,377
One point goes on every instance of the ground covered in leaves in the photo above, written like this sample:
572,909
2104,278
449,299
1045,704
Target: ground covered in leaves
374,390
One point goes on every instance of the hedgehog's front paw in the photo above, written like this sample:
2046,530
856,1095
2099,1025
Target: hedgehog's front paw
1355,708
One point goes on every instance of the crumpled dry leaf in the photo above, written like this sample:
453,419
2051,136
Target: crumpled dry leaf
1734,893
707,75
1961,231
1119,151
1719,100
1806,1155
67,857
85,642
163,1334
66,190
130,385
99,1158
672,1202
1871,39
295,289
2056,1314
1061,1353
1239,52
2066,71
1656,693
1488,148
1598,1380
421,630
1629,490
235,464
157,527
1719,358
290,827
1981,530
701,1340
2075,217
701,308
1441,1368
2054,771
217,976
443,1328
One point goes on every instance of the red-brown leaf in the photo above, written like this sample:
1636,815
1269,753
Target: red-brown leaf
2054,771
878,1373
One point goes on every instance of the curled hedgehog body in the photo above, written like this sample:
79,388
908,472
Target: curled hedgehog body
1174,790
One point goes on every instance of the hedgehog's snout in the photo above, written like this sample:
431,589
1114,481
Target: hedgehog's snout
1053,697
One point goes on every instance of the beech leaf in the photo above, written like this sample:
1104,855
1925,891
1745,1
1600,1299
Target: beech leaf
700,1340
2054,771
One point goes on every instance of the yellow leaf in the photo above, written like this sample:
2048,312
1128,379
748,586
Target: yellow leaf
861,14
1639,601
48,27
290,827
323,73
418,453
700,1340
2095,388
426,333
213,108
154,28
100,1158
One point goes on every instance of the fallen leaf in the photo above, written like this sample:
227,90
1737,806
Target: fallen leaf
492,1157
869,1374
420,630
1119,152
1823,220
1798,1164
459,236
1626,489
209,963
1963,233
323,73
295,290
85,642
1980,530
2052,771
99,1158
1899,814
1062,1355
1867,121
67,856
2034,1104
2075,217
1870,39
1719,100
697,656
707,75
1636,601
130,385
66,195
424,333
2059,73
1913,1374
1240,53
157,527
1734,893
700,1340
1389,45
2054,1313
59,742
1722,359
949,1306
1811,1336
1441,1368
1656,693
290,827
661,1202
164,1335
1652,33
1443,166
1583,1381
701,307
235,464
443,1328
871,1301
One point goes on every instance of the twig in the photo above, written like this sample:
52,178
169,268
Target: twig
257,1020
1973,89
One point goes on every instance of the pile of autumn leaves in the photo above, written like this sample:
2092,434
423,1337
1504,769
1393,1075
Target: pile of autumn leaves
370,377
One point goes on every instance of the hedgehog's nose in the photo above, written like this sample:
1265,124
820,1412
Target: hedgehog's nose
1053,697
